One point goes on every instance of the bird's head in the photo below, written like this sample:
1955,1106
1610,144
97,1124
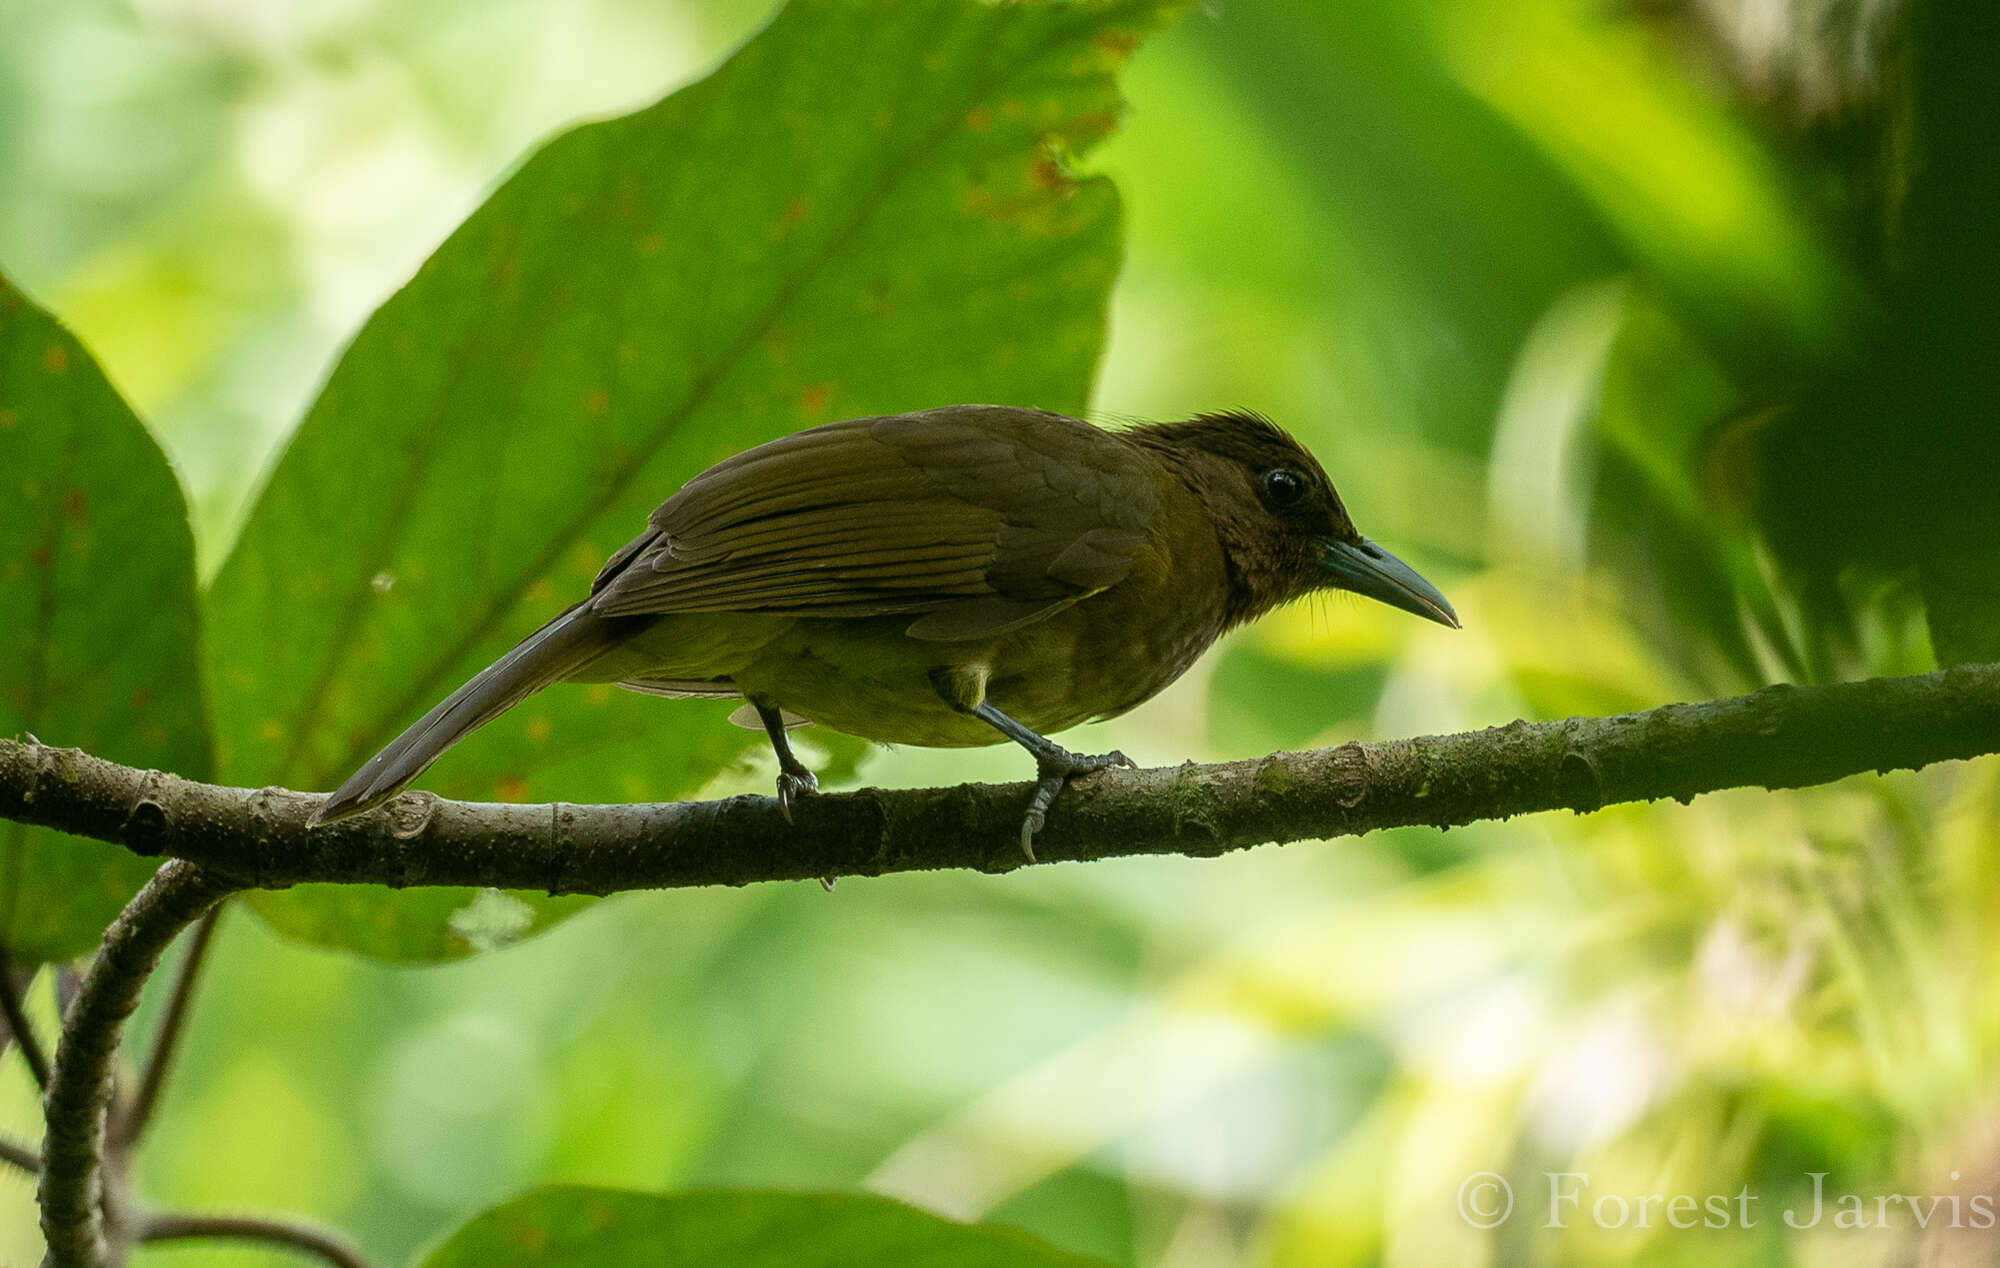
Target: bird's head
1280,520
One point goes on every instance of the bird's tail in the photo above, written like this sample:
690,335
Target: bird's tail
551,653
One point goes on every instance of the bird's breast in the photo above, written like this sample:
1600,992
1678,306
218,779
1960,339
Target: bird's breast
1115,649
1100,657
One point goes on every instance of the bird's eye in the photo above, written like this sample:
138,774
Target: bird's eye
1282,488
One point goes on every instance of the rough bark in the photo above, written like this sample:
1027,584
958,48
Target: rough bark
1780,737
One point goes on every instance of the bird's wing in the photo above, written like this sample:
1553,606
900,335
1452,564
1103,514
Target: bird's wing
973,520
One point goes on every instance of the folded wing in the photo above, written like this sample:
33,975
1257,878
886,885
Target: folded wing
971,520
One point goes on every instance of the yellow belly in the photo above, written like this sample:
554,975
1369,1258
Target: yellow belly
869,678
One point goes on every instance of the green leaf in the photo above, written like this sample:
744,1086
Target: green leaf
1961,587
1685,555
868,208
97,605
581,1227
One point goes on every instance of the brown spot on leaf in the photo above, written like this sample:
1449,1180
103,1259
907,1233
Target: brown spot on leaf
8,418
979,118
270,730
507,269
1096,124
652,244
142,700
1118,44
77,507
56,359
539,727
511,788
41,556
597,400
813,399
1050,177
531,1236
797,209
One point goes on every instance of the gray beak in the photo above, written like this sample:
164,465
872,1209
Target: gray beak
1367,569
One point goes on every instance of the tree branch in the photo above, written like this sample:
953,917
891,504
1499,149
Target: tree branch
16,1154
229,838
131,1124
73,1151
1780,737
14,983
335,1250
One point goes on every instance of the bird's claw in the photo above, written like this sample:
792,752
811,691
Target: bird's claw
794,783
1055,771
1038,812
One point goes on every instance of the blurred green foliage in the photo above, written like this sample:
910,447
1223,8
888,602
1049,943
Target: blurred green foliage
1663,338
609,1229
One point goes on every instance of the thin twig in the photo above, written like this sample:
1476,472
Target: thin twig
73,1152
14,1153
16,1017
131,1124
328,1246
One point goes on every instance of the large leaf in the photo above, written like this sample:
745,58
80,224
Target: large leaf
97,616
582,1227
867,208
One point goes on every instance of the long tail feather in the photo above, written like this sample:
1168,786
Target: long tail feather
553,652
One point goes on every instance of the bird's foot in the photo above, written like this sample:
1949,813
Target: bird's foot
1055,767
792,783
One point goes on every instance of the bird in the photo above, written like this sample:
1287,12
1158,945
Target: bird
951,577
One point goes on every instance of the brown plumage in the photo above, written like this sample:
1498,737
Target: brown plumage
956,576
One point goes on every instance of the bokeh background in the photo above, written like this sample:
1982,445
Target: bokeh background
1559,291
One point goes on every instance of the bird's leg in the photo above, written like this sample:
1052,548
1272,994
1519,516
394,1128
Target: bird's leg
1053,763
794,780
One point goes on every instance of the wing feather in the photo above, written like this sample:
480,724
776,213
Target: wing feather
973,519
